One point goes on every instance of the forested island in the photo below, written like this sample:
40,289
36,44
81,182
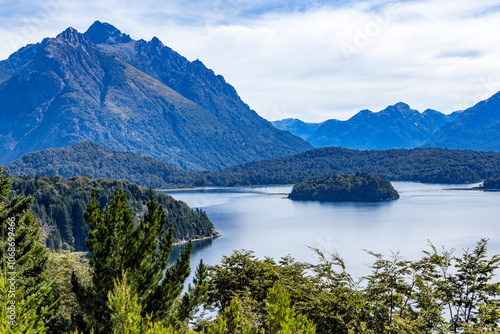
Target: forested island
359,187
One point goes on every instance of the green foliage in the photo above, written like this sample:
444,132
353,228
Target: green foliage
422,164
59,204
243,275
450,175
470,297
281,318
128,288
399,296
278,317
492,183
126,312
23,314
61,266
23,267
96,161
117,245
394,165
350,187
125,308
232,321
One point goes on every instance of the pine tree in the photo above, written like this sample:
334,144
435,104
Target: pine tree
116,245
23,261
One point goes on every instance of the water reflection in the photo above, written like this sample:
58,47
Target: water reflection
198,246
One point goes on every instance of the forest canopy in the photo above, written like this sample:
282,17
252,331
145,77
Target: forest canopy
59,203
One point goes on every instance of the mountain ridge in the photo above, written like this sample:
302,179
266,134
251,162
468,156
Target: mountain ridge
397,126
142,97
476,128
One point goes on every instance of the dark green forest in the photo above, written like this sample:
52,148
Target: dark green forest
88,158
430,165
417,165
126,285
59,203
492,183
349,187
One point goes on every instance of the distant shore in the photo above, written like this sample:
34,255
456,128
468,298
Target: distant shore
213,235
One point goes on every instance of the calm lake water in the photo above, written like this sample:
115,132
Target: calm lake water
261,219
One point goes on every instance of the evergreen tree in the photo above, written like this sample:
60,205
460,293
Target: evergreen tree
23,265
116,245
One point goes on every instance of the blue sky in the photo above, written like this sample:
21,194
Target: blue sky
308,59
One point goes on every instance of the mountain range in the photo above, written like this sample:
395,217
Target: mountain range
399,126
129,95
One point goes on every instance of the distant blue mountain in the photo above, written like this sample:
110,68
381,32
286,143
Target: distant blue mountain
476,128
397,126
297,127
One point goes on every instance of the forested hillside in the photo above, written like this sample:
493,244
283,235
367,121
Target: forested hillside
59,204
396,165
89,158
492,183
432,165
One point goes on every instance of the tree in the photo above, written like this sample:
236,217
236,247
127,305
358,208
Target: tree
20,314
125,308
116,245
59,272
23,266
472,300
281,317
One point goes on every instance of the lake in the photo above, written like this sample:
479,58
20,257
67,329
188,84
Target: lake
261,219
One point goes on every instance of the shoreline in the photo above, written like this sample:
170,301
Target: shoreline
213,236
292,184
228,187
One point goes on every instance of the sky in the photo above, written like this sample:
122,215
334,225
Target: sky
312,60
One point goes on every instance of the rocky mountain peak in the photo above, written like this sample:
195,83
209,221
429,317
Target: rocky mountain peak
401,106
156,41
102,32
398,110
71,36
137,96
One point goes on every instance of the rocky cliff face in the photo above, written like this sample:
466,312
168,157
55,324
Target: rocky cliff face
129,95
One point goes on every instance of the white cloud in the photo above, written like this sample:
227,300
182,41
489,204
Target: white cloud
322,62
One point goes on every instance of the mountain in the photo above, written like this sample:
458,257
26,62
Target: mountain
476,128
397,126
97,161
129,95
297,127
